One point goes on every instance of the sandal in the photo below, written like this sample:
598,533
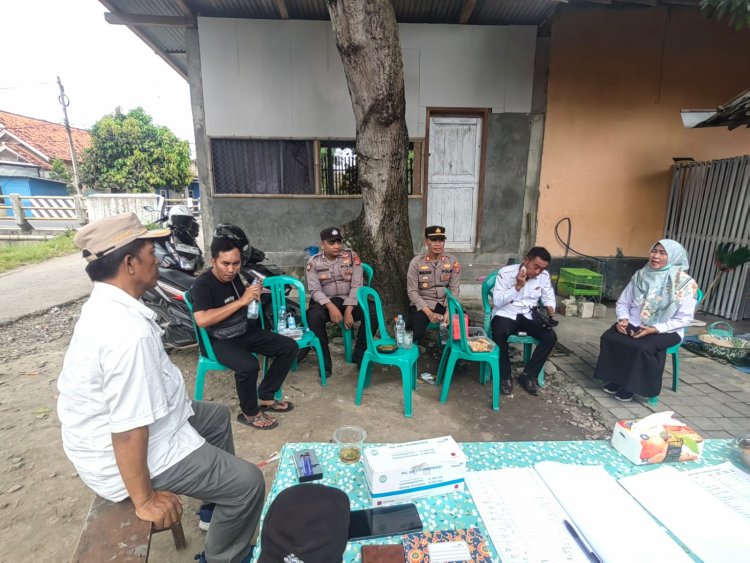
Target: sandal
276,407
251,421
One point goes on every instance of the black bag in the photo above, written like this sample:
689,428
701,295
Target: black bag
234,326
542,318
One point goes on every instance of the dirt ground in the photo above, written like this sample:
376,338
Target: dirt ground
43,502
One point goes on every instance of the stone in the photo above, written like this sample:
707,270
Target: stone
568,309
600,311
549,368
585,310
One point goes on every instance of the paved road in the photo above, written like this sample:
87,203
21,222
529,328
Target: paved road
38,287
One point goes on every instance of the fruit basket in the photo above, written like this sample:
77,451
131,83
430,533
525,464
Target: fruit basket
726,347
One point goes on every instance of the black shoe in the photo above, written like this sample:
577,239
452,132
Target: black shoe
529,385
506,386
302,354
611,388
624,395
357,357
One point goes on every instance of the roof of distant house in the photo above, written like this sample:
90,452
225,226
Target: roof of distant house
38,141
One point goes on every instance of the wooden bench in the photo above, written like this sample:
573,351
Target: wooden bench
112,532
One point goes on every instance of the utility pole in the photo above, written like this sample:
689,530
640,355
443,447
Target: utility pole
65,102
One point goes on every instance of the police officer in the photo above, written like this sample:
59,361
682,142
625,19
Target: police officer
333,277
429,274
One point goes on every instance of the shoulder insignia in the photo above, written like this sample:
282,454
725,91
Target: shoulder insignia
356,259
457,267
309,265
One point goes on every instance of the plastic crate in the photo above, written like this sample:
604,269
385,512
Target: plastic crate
580,282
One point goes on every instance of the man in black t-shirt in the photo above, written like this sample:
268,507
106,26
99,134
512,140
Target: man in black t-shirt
220,303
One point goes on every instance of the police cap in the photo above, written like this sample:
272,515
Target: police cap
435,232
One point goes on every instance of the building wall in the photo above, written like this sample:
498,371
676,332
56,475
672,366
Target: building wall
285,79
617,83
40,187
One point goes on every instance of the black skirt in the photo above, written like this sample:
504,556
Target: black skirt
635,364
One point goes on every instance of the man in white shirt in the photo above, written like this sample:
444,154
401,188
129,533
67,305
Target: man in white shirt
519,288
128,425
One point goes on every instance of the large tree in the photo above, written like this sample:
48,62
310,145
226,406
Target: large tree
128,153
366,35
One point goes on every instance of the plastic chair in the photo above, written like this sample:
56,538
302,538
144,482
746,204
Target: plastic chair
405,359
674,351
487,286
459,350
348,333
277,285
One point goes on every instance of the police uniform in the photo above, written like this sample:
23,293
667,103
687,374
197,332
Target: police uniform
335,281
426,282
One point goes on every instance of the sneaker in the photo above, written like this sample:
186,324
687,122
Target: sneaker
205,512
624,396
611,388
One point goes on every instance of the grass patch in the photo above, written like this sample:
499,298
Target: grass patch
22,254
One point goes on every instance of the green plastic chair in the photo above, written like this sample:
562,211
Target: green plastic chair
459,350
277,285
348,333
487,286
674,351
405,359
207,360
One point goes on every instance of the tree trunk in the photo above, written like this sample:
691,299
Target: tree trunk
366,35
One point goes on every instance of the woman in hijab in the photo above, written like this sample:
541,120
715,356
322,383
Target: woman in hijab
652,313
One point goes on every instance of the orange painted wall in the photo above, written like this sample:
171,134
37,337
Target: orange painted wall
613,120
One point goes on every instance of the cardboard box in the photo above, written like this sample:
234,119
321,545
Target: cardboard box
655,439
398,473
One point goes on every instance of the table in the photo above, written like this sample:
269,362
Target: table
457,510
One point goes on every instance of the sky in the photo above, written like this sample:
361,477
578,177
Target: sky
101,66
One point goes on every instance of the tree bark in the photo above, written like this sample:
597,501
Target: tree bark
366,35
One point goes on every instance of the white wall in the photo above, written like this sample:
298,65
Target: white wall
266,78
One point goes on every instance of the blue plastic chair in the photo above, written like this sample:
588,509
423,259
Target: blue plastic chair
674,351
459,350
277,285
348,333
405,359
487,286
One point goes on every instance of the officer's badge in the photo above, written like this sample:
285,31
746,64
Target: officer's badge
357,261
334,232
309,266
438,231
457,267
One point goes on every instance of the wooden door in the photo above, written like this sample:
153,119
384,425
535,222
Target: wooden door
453,178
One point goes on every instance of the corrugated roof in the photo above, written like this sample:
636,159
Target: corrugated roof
512,12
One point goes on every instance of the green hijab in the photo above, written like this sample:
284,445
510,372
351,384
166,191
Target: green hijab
659,293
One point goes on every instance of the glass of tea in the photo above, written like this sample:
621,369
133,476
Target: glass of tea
349,439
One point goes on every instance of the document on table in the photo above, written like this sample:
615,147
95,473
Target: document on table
524,510
727,483
707,526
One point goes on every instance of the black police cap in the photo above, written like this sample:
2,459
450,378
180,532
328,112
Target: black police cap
435,232
330,234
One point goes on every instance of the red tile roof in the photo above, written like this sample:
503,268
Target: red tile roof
44,136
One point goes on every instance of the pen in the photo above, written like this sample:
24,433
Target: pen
307,464
579,540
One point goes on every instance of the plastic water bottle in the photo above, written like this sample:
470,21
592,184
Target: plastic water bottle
400,329
281,326
254,307
291,322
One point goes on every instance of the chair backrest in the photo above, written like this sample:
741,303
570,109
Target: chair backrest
368,271
277,285
364,294
699,298
201,334
487,286
455,311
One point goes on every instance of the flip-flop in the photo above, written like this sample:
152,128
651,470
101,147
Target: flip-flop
249,420
270,408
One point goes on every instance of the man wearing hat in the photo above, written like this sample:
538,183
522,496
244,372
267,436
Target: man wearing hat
127,423
333,277
428,276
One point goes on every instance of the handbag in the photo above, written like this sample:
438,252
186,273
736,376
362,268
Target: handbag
234,326
540,315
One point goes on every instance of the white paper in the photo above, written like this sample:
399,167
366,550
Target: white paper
449,552
522,517
609,519
709,528
727,483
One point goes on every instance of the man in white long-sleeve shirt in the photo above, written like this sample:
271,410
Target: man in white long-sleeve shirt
519,288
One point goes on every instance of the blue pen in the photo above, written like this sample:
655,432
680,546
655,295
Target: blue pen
579,540
306,464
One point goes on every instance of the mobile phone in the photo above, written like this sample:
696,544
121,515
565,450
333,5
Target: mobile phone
384,521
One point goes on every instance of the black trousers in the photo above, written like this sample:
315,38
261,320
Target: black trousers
318,317
502,328
237,354
418,321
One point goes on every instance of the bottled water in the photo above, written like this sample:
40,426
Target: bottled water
254,307
291,322
400,329
281,326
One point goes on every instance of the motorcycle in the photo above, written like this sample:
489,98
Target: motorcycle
181,260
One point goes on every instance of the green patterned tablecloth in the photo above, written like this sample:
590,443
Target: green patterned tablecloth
457,510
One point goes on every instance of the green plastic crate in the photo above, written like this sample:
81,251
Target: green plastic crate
580,282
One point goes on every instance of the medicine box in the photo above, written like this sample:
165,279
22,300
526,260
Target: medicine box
398,473
655,439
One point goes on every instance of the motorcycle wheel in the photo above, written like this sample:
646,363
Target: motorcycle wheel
175,336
